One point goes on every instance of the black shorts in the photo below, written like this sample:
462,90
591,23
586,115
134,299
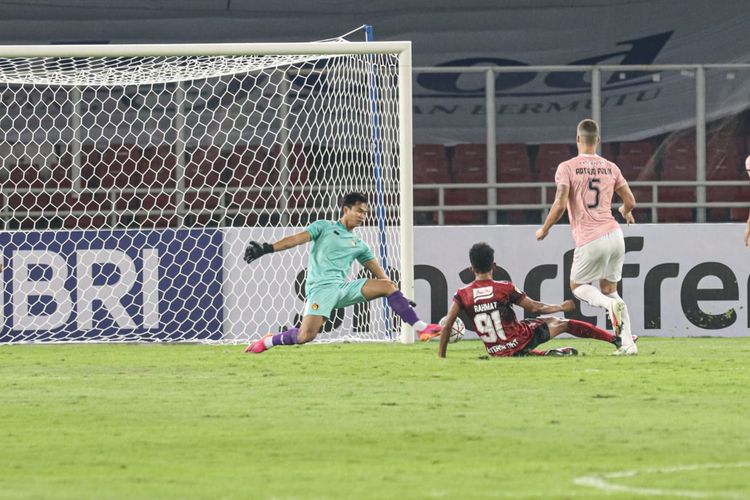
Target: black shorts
540,336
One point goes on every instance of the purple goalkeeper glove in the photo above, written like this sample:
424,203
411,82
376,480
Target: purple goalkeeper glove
256,250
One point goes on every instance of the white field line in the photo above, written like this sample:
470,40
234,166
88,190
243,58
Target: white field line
601,482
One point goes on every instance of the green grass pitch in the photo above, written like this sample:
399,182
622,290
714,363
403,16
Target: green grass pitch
374,421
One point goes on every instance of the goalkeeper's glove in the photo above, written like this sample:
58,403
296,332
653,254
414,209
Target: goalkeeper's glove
255,250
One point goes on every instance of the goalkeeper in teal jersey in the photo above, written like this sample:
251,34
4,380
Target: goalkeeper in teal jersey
334,248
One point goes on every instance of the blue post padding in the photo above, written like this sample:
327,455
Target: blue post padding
378,167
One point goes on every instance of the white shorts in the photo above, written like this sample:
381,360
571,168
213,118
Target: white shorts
599,259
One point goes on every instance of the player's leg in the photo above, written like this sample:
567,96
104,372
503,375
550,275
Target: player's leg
620,318
306,332
618,311
539,334
320,303
579,329
589,262
374,288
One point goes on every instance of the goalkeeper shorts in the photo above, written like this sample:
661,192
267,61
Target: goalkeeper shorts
323,299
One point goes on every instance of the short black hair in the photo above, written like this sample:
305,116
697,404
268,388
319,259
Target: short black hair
482,256
352,199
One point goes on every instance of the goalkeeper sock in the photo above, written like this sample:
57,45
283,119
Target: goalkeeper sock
592,295
588,331
288,337
401,306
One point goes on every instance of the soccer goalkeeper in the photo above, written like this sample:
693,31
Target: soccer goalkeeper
334,249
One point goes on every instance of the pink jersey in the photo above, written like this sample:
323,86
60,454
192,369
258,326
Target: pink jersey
592,181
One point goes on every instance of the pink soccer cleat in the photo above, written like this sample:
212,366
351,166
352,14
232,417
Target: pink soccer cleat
433,330
258,346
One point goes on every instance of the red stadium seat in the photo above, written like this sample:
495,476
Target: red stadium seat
24,175
513,166
95,207
678,162
465,218
724,164
252,199
91,159
59,177
119,165
157,221
513,163
673,195
740,214
548,158
469,163
252,166
145,201
430,167
636,161
466,197
294,167
204,166
296,161
157,166
202,200
430,164
85,221
24,201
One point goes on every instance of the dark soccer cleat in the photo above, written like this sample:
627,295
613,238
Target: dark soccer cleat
562,351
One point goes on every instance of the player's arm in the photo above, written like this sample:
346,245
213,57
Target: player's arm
536,307
256,250
555,212
445,333
628,203
747,230
374,267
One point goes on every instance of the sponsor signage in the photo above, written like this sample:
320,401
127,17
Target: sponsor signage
112,285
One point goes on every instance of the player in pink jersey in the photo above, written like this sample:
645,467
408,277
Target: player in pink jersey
489,305
585,185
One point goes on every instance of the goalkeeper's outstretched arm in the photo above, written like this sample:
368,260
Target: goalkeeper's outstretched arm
256,250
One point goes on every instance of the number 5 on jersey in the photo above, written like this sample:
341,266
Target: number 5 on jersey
489,326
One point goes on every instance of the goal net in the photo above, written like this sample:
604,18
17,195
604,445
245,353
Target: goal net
134,176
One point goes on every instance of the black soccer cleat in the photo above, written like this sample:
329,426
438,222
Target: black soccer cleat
562,351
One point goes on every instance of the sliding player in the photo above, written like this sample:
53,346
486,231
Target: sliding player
586,184
489,305
334,249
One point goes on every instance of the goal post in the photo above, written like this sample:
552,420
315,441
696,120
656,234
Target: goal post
134,175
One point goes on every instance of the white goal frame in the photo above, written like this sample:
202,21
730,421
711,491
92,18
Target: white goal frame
400,48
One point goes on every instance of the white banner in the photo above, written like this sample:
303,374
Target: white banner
678,280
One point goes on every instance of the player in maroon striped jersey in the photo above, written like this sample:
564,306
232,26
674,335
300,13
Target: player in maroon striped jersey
489,305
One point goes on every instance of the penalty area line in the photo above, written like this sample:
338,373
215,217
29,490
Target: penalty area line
603,482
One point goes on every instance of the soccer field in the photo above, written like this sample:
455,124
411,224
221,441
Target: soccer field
374,421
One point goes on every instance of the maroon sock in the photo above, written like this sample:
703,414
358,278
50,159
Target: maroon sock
588,331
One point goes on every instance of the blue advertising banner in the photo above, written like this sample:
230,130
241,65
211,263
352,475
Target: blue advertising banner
112,285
